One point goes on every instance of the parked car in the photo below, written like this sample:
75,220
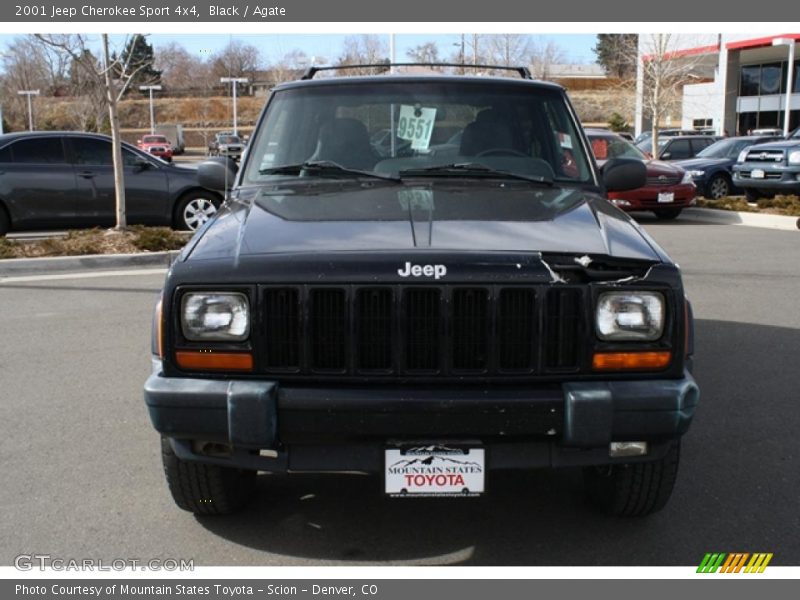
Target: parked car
54,180
677,147
767,169
646,135
668,190
429,319
226,144
712,168
157,145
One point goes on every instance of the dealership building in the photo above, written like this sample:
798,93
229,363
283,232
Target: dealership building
742,81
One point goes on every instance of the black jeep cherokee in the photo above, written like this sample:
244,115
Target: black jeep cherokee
459,299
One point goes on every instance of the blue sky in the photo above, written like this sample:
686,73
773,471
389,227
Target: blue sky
577,47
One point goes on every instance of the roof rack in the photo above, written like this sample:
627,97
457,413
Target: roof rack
524,72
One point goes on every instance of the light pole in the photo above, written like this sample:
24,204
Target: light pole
29,93
789,76
151,88
234,81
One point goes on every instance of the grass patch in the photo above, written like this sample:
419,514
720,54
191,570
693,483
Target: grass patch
157,239
788,206
97,241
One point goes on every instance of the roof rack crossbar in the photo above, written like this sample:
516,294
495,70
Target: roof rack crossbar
524,72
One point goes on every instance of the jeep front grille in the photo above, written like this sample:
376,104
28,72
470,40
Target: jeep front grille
422,331
765,156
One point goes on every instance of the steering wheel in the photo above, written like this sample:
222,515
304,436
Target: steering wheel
501,152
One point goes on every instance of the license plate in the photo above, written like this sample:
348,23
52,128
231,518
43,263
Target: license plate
434,470
666,197
757,174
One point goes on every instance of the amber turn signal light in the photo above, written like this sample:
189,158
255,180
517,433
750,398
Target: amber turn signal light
194,360
628,361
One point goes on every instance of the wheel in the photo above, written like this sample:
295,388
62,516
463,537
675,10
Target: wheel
667,214
5,222
754,195
718,187
635,489
194,209
206,489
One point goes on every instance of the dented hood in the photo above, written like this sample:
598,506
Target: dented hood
476,216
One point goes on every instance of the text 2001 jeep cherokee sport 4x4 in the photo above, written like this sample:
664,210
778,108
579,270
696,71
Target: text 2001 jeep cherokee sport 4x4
459,299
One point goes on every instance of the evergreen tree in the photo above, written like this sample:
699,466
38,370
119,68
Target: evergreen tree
617,53
138,58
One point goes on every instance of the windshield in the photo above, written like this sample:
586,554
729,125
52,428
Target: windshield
725,148
154,139
393,128
605,147
228,139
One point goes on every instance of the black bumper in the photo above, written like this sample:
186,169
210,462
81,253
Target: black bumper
274,428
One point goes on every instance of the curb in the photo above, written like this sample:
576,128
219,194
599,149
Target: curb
729,217
63,264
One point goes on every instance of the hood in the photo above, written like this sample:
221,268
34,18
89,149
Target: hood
781,145
692,164
659,167
479,216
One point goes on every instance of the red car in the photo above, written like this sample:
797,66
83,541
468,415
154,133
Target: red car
157,145
669,188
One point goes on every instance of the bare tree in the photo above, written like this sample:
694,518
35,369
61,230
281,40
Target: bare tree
290,67
114,77
510,49
663,73
181,70
362,50
424,53
237,59
543,56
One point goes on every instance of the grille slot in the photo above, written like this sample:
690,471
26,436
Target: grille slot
562,328
516,329
422,332
667,180
328,328
374,322
470,329
282,328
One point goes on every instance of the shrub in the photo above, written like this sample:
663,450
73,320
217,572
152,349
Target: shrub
157,239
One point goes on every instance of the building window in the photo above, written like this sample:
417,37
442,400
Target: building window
771,79
750,80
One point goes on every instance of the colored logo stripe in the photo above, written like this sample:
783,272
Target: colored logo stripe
734,563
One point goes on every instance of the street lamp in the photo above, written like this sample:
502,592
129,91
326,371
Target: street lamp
151,88
789,72
234,81
29,93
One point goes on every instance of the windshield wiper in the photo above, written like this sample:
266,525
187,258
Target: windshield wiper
475,169
324,168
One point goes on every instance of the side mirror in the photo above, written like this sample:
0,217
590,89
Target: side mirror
622,174
666,155
217,173
141,163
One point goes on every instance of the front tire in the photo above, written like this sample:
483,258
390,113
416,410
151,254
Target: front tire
206,489
635,489
719,187
194,209
5,222
754,195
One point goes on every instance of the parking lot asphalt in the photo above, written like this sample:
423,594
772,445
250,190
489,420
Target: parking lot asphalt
82,474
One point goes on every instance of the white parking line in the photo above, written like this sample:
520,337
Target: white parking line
87,275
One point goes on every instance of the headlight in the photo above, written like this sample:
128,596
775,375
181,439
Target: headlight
794,157
630,316
215,316
697,174
742,155
687,177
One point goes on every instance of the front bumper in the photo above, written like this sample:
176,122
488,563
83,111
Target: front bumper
646,198
268,427
779,178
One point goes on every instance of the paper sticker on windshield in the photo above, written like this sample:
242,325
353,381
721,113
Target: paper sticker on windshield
416,125
565,140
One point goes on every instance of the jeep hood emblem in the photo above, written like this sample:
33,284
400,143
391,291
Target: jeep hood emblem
435,271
